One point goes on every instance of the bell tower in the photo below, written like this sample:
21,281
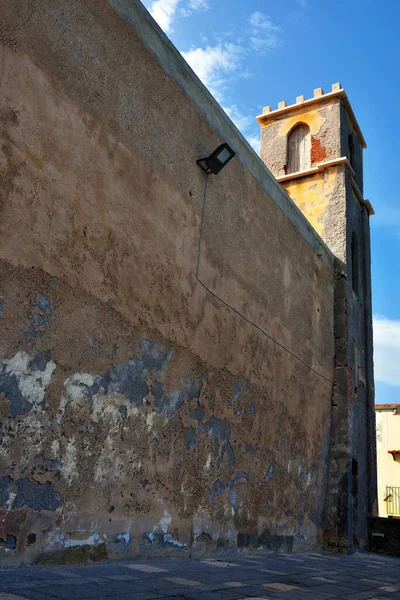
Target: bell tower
314,148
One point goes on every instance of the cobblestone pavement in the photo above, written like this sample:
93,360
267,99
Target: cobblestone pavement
310,576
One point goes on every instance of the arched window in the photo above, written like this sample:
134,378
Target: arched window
299,149
352,151
354,262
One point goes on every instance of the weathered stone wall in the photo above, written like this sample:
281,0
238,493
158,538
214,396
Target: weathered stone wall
329,195
352,459
166,344
325,135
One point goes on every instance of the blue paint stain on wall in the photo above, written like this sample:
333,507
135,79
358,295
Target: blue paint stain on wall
163,540
10,388
130,378
170,404
43,303
1,308
271,472
43,314
197,414
166,404
220,487
53,463
238,388
240,477
220,432
62,20
28,495
192,388
36,325
122,538
9,385
40,360
190,438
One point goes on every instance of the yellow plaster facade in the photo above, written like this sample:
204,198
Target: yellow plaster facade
309,116
312,195
388,439
311,190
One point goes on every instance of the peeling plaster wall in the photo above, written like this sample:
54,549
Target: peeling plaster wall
326,142
144,409
321,196
318,197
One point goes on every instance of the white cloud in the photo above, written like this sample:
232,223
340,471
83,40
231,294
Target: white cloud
302,3
199,5
386,332
163,11
258,19
264,34
241,121
387,350
216,66
219,65
213,65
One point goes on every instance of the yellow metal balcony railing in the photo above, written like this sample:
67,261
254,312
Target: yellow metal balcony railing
392,500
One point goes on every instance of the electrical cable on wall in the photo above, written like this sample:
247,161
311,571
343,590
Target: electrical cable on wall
238,312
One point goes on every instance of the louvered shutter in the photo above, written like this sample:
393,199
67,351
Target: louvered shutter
299,149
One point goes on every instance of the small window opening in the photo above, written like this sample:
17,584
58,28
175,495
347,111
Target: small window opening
354,467
354,263
31,541
299,149
352,151
11,542
356,373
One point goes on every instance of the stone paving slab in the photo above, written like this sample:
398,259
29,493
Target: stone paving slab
306,576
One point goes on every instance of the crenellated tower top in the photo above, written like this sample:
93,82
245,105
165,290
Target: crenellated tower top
319,95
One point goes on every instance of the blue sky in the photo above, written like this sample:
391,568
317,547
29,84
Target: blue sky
257,52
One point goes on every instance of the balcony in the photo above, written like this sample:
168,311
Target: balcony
392,500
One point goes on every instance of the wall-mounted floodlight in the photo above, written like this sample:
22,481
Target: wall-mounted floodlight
217,160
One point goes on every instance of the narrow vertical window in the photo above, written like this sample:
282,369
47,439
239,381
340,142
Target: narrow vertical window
299,149
356,372
354,472
352,151
354,263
